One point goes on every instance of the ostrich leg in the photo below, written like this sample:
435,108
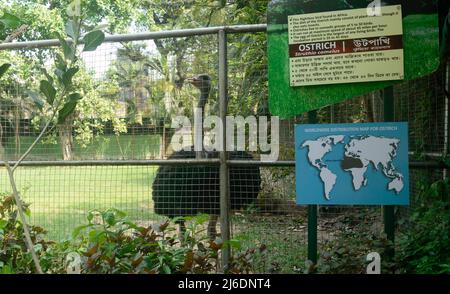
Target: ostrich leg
212,231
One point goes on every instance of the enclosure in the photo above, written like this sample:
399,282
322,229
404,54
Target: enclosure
135,84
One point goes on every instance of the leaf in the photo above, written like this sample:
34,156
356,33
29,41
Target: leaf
78,229
91,251
68,75
49,77
4,68
59,73
61,63
90,216
48,90
188,262
110,218
92,40
166,269
68,108
9,20
69,51
36,99
75,97
71,29
3,223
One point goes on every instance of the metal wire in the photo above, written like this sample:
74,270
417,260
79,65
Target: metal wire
123,140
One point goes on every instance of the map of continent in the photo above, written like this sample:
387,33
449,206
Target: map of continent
359,153
316,151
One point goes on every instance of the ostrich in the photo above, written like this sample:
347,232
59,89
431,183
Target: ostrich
182,190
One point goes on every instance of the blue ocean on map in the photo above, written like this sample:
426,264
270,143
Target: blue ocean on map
351,164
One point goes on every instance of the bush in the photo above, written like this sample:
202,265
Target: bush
14,255
423,247
110,244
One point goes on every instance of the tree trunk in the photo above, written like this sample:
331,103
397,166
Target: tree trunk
66,138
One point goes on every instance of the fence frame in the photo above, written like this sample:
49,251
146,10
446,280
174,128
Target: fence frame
222,161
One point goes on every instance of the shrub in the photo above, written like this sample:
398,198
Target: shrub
14,255
111,244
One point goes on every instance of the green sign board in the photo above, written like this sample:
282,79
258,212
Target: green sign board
409,40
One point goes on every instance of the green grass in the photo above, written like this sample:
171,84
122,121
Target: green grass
103,147
61,197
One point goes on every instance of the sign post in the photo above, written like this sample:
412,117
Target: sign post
389,210
312,212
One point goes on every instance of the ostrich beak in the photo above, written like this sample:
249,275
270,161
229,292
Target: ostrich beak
194,81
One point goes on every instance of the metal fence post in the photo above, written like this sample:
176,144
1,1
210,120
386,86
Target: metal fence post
388,210
224,193
312,212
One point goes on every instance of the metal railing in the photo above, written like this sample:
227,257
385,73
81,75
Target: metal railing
222,161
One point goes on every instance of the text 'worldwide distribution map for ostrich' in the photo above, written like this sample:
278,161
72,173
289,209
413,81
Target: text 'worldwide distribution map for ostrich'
345,164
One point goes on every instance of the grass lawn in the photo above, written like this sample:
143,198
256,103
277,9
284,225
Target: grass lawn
102,147
61,197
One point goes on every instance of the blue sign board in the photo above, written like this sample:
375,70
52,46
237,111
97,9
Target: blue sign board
348,164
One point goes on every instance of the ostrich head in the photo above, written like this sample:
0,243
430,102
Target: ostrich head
203,83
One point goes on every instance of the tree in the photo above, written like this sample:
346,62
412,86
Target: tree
59,89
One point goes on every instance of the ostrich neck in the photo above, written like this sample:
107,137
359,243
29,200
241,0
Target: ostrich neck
202,103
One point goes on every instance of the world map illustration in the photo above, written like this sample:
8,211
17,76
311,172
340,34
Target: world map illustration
360,152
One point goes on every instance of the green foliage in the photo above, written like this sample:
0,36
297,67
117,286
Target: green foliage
14,256
4,68
66,68
7,23
92,40
423,246
110,243
48,90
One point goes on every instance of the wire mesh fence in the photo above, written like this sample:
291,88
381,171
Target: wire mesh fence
132,92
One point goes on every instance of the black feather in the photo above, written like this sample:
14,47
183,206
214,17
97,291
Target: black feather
191,190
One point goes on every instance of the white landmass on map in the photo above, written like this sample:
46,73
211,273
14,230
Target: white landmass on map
379,151
316,151
359,153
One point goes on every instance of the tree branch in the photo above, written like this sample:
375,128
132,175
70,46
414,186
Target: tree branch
26,230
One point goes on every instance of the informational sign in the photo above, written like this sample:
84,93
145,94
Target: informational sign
379,65
349,164
346,46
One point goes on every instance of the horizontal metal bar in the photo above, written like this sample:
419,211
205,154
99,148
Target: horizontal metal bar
215,161
146,36
429,154
428,164
286,163
117,162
